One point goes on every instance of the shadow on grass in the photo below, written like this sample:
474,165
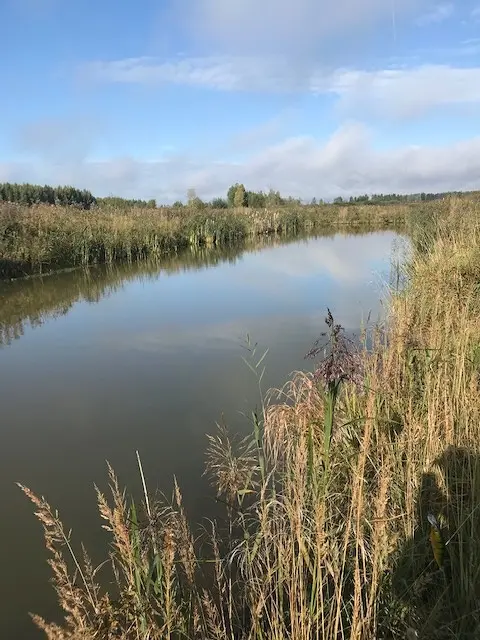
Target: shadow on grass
436,581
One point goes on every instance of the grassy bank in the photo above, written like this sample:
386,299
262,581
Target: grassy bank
329,504
40,239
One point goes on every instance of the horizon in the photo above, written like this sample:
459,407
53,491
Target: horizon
314,100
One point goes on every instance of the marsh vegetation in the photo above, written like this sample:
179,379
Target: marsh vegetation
39,239
351,511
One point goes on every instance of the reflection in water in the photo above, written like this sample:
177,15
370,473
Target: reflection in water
34,300
152,365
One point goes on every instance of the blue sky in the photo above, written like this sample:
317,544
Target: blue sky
311,97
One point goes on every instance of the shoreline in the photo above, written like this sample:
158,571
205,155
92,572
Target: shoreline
46,239
351,511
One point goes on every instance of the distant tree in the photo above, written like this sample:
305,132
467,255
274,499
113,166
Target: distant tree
364,198
197,203
6,192
15,192
122,203
338,200
231,194
219,203
87,199
194,201
240,197
177,204
291,200
314,201
191,196
152,204
256,199
30,194
27,194
274,198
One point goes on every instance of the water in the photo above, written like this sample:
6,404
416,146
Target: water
96,365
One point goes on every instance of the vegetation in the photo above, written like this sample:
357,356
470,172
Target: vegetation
237,196
125,203
24,303
352,511
40,239
392,198
29,194
44,228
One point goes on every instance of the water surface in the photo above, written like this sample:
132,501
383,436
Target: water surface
97,364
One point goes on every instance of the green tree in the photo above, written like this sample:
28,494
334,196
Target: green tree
240,197
274,198
198,204
8,192
194,201
231,195
219,203
256,199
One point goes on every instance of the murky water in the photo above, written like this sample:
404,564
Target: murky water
96,365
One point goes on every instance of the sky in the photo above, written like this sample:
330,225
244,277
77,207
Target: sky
315,98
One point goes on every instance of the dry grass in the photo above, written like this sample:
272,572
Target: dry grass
327,538
41,238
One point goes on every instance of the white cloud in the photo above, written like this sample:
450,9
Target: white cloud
476,13
438,13
213,72
404,92
59,139
343,258
302,27
395,92
345,164
287,272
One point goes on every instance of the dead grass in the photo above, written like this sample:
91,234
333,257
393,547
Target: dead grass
328,538
40,239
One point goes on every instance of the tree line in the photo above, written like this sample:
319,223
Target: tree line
236,196
125,203
29,194
391,198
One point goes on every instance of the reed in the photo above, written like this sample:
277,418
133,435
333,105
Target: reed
40,239
330,502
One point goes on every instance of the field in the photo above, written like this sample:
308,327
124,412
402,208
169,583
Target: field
41,238
352,511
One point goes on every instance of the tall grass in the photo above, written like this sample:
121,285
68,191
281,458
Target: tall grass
329,502
40,239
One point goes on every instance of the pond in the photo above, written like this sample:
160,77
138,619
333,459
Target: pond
97,364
